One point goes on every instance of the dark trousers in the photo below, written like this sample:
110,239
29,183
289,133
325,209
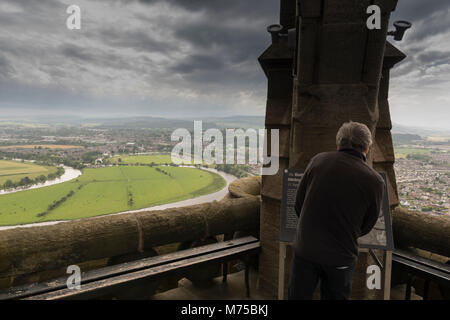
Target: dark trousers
335,281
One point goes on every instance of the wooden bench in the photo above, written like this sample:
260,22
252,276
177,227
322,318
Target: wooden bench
99,282
420,267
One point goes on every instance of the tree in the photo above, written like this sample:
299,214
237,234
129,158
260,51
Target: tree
8,184
25,181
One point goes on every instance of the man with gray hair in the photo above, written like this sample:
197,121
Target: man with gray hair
338,201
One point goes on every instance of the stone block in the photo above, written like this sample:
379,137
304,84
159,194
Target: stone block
280,84
342,49
284,134
307,53
272,185
310,141
269,235
384,120
386,6
388,168
374,55
268,264
383,93
270,212
383,148
331,105
288,12
345,11
310,8
279,112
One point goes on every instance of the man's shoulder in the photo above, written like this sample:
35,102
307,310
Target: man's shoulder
376,177
324,155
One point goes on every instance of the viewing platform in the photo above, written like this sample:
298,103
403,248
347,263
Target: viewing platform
108,241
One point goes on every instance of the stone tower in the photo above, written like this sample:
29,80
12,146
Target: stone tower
337,71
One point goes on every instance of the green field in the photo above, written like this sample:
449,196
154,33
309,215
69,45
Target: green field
107,190
143,159
16,170
401,153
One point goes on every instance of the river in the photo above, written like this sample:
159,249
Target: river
198,200
69,174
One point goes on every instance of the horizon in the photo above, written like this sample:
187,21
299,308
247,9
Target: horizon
40,119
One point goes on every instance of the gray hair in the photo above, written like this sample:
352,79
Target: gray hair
354,135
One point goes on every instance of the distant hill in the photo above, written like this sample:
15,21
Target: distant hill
255,122
423,132
405,138
139,122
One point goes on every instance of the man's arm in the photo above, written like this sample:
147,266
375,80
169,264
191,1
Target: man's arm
371,217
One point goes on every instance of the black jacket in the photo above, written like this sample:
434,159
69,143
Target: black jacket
338,201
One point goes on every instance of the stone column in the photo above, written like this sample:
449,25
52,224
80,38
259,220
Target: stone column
339,72
337,79
276,62
384,157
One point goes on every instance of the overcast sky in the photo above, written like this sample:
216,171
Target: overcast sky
179,58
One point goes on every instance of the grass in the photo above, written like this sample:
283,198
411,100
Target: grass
401,153
147,159
143,159
16,170
107,190
438,139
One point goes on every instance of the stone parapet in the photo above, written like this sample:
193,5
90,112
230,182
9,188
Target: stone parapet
39,253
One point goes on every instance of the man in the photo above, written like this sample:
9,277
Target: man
338,201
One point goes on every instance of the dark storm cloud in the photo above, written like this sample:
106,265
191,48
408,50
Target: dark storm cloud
199,62
433,58
225,8
140,40
419,92
225,35
415,10
83,56
160,54
5,68
77,52
436,23
430,19
236,43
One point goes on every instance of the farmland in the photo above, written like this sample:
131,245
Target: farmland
101,191
142,159
402,152
16,170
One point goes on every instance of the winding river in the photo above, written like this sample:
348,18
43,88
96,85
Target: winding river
218,195
69,174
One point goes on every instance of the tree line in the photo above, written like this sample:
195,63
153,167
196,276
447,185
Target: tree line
55,204
43,159
27,181
238,171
